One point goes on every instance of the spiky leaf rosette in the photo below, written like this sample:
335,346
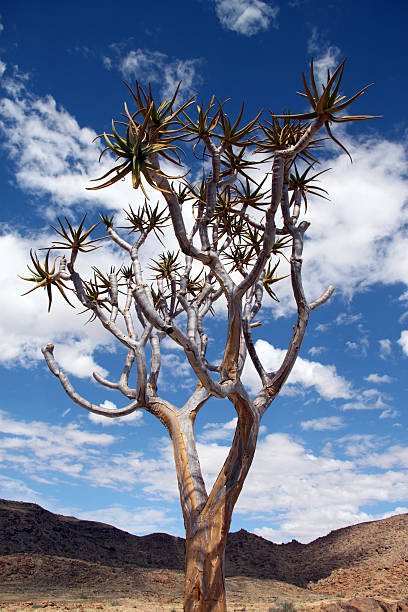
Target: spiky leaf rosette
250,196
75,239
270,279
136,149
329,102
160,118
147,219
45,276
233,134
205,123
303,184
280,135
166,266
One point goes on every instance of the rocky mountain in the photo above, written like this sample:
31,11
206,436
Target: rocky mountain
29,529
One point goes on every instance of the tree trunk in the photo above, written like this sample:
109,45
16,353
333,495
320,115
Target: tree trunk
205,554
207,518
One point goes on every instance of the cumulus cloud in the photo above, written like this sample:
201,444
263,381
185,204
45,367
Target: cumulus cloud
134,418
317,350
246,17
53,155
357,217
359,445
378,379
344,318
385,348
361,347
299,490
26,325
39,448
323,424
54,453
218,431
326,56
403,341
140,520
324,379
14,488
395,456
369,399
294,488
157,68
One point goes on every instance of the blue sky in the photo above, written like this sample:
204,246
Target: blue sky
333,449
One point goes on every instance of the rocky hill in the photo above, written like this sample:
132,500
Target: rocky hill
29,529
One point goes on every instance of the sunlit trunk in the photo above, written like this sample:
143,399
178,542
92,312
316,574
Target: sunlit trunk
207,518
205,554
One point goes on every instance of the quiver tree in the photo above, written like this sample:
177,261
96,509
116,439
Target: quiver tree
228,250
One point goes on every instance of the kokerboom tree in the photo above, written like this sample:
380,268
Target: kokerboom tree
231,231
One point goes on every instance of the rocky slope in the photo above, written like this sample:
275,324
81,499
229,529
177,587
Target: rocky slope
59,555
28,528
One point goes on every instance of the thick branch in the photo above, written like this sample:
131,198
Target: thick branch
48,352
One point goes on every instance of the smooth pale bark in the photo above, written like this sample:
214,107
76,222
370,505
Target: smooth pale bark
207,518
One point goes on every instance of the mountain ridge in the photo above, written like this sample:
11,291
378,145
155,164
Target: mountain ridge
27,528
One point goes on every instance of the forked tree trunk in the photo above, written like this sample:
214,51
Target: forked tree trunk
207,518
205,553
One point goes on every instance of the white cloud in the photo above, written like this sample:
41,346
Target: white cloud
403,341
370,399
218,431
324,379
67,439
359,445
323,424
294,488
389,413
385,348
377,378
317,350
176,372
246,17
139,521
361,346
222,431
53,155
40,449
157,68
326,56
134,418
347,319
394,457
299,489
26,325
12,488
55,452
356,216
